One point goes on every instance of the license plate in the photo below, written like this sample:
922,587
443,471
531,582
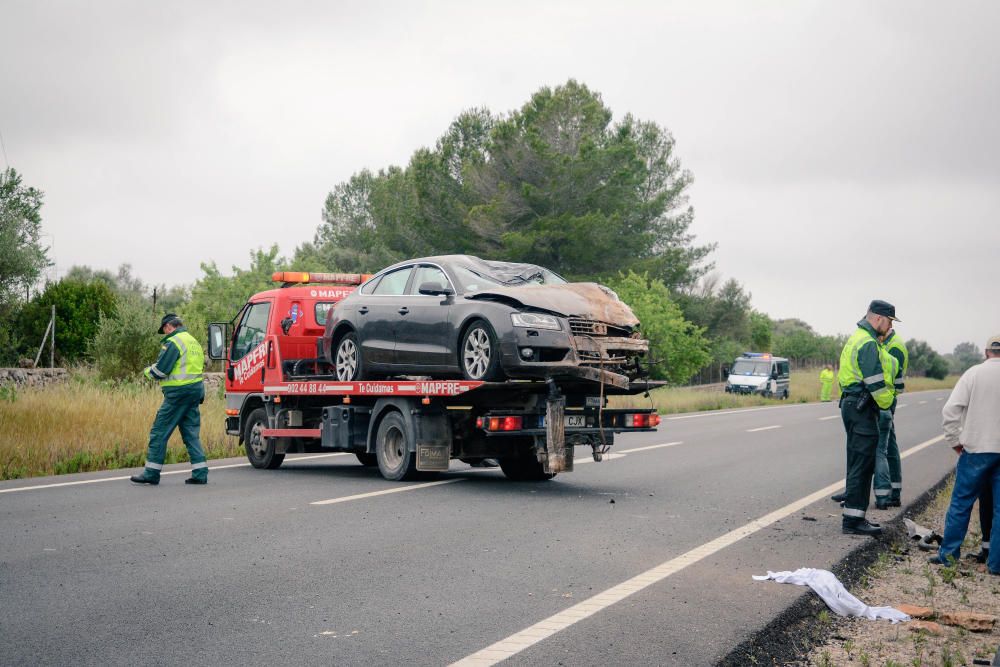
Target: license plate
569,420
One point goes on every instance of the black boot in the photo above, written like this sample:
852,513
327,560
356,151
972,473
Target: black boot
857,526
981,557
895,502
142,479
195,480
840,497
882,503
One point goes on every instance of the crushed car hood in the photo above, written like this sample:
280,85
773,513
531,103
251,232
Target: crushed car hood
588,301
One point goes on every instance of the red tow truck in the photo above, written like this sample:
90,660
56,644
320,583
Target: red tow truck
282,396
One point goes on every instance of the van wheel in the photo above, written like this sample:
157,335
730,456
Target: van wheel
784,396
480,353
396,459
260,450
348,363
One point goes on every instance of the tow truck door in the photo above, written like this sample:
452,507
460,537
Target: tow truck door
248,352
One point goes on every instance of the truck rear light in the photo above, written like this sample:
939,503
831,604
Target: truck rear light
509,423
232,412
642,420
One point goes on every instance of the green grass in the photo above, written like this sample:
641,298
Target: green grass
85,425
803,388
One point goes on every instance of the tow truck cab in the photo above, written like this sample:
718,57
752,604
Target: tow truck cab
285,323
759,373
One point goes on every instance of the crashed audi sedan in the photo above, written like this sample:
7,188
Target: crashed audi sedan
461,316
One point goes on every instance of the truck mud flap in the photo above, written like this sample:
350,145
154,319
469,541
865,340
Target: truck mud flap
433,441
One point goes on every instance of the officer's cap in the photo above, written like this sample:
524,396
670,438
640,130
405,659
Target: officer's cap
167,319
883,308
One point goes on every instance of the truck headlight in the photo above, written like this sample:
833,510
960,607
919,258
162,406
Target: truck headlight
534,321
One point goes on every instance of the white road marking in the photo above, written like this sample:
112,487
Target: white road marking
514,644
642,449
823,419
383,492
901,405
939,398
763,428
741,411
921,402
165,472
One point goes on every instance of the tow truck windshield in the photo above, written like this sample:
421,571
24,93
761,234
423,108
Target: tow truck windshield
747,367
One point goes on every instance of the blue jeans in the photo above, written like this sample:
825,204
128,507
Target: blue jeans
973,472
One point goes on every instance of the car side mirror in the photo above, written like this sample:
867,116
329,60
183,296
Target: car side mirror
217,341
434,289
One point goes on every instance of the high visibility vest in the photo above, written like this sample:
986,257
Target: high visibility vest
826,376
190,366
850,371
895,343
890,367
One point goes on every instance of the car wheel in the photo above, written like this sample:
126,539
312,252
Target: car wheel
480,353
396,459
347,361
260,450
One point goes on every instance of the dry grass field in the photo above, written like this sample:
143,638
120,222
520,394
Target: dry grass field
85,424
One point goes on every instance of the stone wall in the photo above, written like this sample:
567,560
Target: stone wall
32,377
41,377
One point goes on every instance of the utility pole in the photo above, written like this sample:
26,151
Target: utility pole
52,350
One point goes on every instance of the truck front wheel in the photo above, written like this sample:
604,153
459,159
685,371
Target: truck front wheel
260,450
396,459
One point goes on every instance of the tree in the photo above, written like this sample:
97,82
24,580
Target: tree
554,183
22,258
925,361
217,298
677,347
79,306
761,331
125,342
965,356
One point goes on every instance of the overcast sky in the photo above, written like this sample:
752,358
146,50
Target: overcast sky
842,151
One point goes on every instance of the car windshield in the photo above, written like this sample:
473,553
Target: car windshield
748,367
484,275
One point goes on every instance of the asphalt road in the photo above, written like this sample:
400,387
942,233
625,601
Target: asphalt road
643,559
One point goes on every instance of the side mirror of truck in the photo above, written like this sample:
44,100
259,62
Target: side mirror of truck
217,341
434,289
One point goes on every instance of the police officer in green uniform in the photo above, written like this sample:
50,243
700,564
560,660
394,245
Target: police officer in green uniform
888,467
179,370
863,394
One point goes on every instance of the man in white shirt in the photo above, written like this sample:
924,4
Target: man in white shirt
971,423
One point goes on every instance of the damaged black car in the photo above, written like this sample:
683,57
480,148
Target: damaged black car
461,316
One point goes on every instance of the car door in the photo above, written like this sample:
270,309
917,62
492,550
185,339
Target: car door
423,340
377,315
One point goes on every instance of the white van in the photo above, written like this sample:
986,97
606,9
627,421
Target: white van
759,373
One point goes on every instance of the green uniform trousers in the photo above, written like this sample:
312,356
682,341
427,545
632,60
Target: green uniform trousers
178,410
888,466
862,440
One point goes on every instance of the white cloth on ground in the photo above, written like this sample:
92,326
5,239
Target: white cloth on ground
837,598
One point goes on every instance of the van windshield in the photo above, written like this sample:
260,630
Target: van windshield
748,367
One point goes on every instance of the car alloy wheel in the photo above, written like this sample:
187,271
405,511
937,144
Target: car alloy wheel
476,353
347,360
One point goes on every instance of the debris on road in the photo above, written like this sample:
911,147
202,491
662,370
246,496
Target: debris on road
825,584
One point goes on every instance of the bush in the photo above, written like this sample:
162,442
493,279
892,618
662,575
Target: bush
79,306
677,348
126,342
